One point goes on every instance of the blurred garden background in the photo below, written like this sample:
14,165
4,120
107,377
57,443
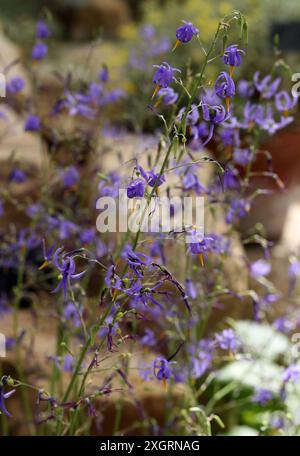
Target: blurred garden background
74,119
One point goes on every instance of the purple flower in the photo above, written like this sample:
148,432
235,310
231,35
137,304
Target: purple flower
233,56
17,175
42,30
282,324
112,96
4,396
160,47
191,290
245,89
185,33
68,363
87,235
77,104
294,269
242,156
147,32
260,268
136,188
230,137
262,396
191,182
203,358
169,96
284,102
66,229
192,117
151,177
32,123
66,266
277,422
103,74
70,176
161,369
265,87
230,178
224,86
214,115
148,338
227,340
47,254
72,313
136,260
292,373
39,51
210,97
95,91
198,244
15,85
163,76
263,116
238,209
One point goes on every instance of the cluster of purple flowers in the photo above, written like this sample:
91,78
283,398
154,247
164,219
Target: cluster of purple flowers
111,291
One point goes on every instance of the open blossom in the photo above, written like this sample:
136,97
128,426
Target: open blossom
233,56
136,260
237,210
263,116
266,87
169,96
284,102
136,188
185,32
161,369
227,340
230,178
214,115
66,266
224,85
163,76
152,178
202,357
262,396
192,117
245,89
190,181
242,156
260,268
148,338
78,104
230,136
291,374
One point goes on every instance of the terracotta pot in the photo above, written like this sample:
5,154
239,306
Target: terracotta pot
271,209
